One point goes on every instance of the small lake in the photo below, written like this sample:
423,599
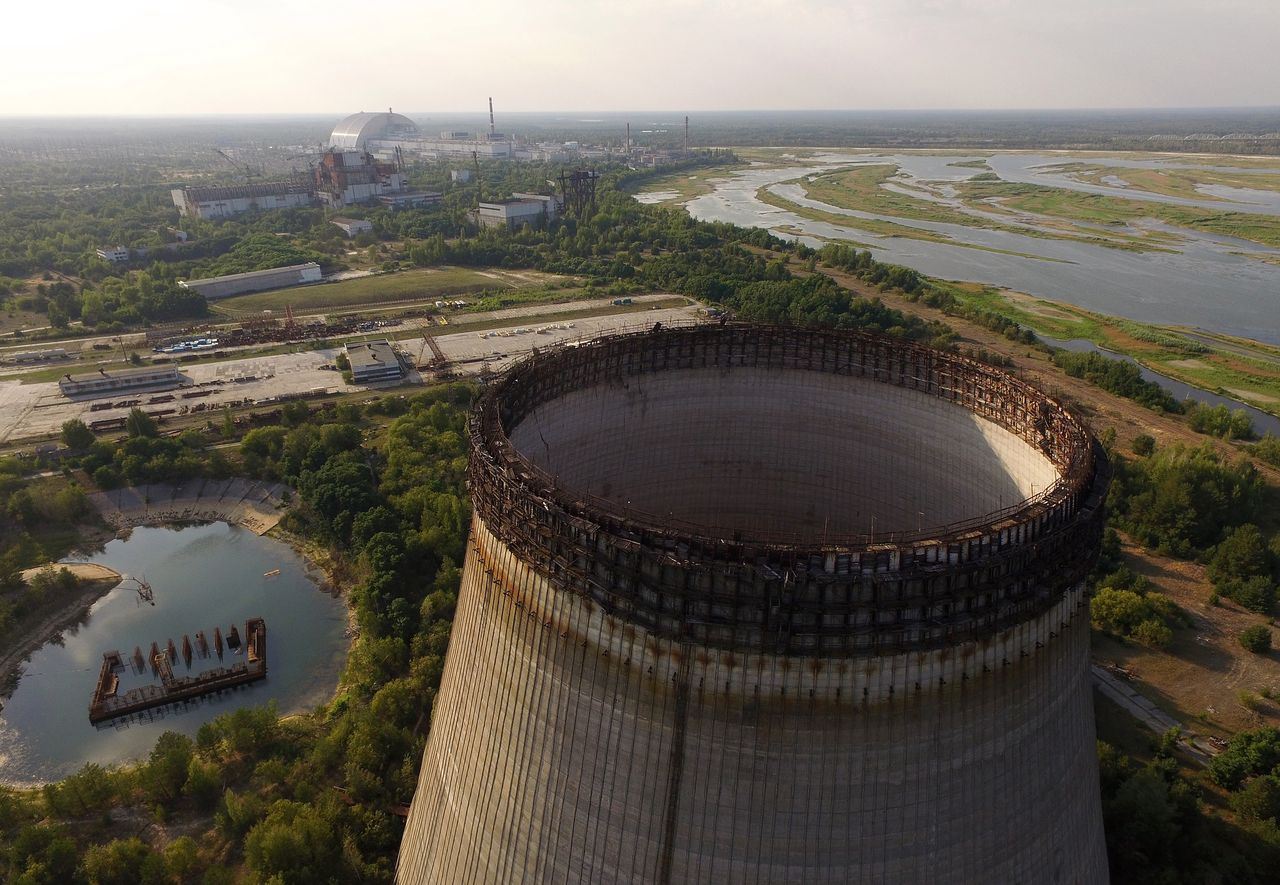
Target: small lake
203,577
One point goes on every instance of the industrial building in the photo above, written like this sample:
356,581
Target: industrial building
114,254
225,202
374,361
254,281
343,178
104,381
757,604
532,210
352,226
410,199
389,136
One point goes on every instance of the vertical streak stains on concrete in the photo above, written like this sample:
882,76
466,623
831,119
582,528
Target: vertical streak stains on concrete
675,774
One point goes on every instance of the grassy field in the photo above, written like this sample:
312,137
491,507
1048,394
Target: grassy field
1236,367
429,283
1174,182
681,187
862,187
1098,209
878,226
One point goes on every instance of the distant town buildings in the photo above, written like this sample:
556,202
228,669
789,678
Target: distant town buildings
254,281
352,226
374,361
114,254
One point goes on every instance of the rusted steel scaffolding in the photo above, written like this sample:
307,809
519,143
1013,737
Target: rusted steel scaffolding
106,704
794,594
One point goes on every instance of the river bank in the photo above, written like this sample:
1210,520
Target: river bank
30,634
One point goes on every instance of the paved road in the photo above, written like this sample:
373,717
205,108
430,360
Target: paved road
1145,711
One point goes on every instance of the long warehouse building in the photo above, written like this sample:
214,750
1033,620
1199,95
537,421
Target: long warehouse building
254,281
757,604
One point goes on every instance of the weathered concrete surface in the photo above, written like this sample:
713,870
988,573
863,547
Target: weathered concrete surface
601,754
757,449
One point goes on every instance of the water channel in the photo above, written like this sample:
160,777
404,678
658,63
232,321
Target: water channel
203,577
1206,283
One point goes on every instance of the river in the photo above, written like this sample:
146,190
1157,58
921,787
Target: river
202,576
1205,284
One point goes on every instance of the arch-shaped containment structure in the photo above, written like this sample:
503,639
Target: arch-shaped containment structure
756,604
354,132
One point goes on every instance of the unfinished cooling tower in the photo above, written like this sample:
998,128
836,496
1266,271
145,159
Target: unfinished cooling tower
767,605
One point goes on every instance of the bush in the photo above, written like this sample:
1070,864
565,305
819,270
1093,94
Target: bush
1153,634
1123,605
1249,753
1180,499
1257,594
1257,639
1259,799
1143,444
1267,449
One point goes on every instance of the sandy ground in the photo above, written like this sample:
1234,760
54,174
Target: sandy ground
85,571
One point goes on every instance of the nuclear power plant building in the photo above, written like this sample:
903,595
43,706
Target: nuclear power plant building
768,605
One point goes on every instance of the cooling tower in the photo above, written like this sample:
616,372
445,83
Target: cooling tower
753,604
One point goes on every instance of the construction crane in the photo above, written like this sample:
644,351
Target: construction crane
475,158
438,359
248,171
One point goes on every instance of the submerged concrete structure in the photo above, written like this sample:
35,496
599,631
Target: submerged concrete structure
748,604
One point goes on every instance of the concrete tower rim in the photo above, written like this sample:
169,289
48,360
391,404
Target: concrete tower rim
834,598
1070,447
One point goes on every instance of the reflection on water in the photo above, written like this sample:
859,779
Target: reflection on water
1205,284
203,577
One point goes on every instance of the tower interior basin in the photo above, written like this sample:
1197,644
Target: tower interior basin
780,451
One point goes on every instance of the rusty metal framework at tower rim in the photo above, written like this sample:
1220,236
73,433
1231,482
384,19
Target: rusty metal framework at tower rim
794,595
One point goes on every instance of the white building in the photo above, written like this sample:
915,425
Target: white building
353,226
535,210
106,381
374,361
225,202
114,254
254,281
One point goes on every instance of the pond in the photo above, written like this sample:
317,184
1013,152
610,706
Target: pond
207,576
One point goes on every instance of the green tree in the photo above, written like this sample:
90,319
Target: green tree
139,424
77,435
124,862
1242,554
166,769
1256,638
295,842
1259,799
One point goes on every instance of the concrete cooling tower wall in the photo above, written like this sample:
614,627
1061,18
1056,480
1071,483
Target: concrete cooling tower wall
748,604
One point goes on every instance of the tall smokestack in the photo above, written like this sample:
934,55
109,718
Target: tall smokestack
660,672
492,130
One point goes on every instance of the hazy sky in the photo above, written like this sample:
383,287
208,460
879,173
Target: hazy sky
304,56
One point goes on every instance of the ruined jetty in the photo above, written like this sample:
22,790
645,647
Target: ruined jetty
108,704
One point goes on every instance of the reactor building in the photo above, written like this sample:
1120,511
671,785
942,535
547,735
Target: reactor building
761,604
